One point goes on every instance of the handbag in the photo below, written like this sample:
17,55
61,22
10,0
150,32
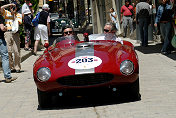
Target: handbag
15,26
173,41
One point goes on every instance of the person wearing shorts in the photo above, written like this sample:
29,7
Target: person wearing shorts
42,30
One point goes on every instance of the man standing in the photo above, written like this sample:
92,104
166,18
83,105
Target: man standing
4,53
42,30
164,16
12,20
126,17
142,18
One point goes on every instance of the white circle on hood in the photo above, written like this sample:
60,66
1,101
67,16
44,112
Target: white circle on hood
84,62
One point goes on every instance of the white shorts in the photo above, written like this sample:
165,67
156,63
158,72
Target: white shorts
41,32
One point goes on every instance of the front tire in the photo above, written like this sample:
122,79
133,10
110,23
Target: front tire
44,99
132,90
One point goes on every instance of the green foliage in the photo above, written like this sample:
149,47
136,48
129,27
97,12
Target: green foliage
34,3
22,36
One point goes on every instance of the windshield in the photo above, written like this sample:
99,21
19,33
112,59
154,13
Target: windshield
54,15
107,36
67,39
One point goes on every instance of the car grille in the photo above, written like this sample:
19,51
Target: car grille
85,79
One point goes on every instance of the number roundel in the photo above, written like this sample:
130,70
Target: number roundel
84,62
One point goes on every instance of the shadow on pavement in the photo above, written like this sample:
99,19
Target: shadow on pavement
155,49
88,101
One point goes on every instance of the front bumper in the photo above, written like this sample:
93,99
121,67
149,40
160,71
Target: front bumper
54,86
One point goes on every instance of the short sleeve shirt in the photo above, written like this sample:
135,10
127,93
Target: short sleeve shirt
9,18
24,7
126,11
48,19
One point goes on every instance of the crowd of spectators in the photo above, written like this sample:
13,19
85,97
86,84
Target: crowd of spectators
11,17
141,13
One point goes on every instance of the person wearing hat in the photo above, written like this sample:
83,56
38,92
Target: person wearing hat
12,21
42,30
25,6
126,17
27,29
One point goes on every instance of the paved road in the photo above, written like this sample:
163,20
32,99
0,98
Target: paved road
157,83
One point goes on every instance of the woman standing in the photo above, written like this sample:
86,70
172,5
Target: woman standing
113,17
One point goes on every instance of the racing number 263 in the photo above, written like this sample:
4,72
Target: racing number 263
84,60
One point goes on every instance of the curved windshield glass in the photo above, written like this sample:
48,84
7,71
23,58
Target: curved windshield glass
54,15
107,36
67,39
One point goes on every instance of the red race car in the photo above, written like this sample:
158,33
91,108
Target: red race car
97,62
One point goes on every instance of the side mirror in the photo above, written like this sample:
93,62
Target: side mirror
46,45
86,37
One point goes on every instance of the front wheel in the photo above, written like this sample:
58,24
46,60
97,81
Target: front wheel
44,99
132,90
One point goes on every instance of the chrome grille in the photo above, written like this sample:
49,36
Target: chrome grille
85,79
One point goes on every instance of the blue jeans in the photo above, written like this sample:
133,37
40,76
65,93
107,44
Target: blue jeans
143,29
5,59
165,29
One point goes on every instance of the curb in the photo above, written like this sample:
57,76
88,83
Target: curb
24,56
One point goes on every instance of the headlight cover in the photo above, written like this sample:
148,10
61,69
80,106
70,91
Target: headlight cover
43,74
126,67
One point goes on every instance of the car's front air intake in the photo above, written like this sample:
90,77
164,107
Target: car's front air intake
85,79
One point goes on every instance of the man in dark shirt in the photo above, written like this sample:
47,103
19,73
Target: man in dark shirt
4,54
42,30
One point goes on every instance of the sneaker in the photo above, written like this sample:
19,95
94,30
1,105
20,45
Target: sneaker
13,71
34,53
7,80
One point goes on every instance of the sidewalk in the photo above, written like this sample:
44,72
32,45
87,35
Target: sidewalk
24,56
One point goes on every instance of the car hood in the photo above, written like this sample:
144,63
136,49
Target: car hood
88,57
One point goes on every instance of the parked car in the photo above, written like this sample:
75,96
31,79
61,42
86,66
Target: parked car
73,65
54,16
56,25
74,24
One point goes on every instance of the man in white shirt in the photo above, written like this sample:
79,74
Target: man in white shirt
25,6
110,33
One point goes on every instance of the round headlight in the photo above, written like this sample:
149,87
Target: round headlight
126,67
43,74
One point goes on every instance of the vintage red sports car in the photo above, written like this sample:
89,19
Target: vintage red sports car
97,62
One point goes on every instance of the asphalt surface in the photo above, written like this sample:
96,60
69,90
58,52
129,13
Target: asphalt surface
157,87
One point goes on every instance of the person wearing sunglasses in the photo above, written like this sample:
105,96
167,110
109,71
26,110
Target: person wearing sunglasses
110,33
68,31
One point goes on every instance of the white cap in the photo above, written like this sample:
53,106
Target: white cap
45,7
27,11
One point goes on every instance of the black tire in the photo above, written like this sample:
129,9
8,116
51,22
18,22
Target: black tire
135,90
44,99
132,90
